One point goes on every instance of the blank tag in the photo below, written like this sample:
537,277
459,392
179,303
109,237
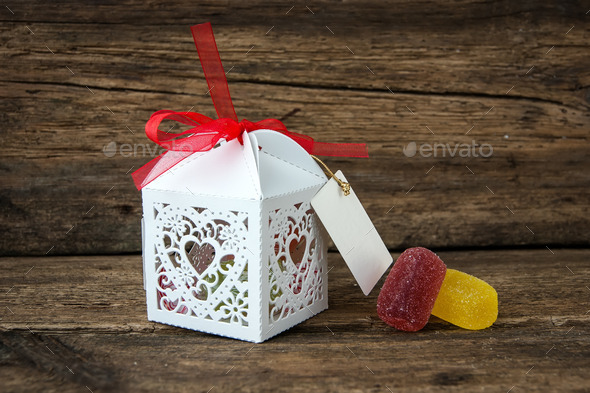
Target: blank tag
353,233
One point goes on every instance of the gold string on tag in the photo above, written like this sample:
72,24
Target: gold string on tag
344,185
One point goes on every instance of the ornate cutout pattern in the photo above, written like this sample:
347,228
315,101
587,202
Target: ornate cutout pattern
201,263
295,272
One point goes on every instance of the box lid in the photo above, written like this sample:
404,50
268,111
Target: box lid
268,164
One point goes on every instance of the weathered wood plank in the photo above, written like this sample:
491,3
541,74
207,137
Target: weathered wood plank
88,313
450,69
467,48
68,195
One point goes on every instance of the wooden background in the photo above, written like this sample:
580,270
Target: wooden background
78,80
76,77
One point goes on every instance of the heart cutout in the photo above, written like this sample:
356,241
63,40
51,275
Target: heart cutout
297,250
200,256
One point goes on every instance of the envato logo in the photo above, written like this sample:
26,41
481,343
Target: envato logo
137,149
443,150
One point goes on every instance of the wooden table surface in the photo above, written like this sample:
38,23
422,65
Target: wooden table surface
74,324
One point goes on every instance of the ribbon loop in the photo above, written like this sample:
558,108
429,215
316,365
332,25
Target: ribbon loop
206,132
213,69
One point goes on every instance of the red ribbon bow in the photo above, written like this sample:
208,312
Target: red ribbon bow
207,132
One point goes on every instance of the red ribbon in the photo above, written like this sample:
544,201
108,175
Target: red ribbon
207,132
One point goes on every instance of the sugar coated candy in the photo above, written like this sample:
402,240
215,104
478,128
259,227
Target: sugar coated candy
466,301
410,290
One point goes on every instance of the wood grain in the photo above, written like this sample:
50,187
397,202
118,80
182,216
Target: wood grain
497,73
88,314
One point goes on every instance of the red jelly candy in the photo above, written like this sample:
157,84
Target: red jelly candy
411,288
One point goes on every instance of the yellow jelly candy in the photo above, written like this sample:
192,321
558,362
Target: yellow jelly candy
466,301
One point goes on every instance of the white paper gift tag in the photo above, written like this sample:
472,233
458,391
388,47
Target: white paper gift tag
353,233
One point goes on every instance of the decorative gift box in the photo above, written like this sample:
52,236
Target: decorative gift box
231,244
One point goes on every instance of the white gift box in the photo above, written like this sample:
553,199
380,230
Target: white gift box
231,244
